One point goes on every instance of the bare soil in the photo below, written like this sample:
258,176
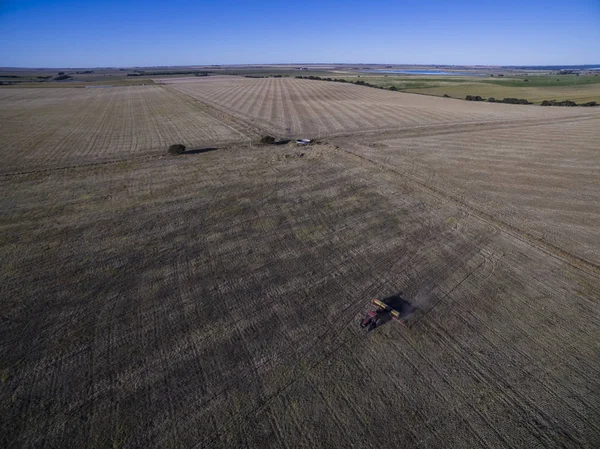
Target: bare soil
213,299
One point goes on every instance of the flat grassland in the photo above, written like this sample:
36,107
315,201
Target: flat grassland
213,299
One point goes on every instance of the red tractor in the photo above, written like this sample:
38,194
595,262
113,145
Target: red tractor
381,315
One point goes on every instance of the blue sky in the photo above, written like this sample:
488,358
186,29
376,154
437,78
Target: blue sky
93,33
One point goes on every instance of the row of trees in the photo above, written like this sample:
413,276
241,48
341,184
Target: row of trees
567,103
508,100
341,80
524,101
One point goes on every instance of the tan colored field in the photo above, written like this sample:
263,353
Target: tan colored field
541,179
213,299
317,108
57,127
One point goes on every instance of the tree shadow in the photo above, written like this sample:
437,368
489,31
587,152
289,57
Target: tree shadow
282,142
200,150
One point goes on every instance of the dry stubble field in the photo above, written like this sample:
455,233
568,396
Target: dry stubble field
213,299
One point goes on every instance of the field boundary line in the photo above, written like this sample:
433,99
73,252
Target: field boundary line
235,123
454,128
548,248
154,155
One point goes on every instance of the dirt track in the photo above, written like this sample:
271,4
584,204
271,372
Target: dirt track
213,299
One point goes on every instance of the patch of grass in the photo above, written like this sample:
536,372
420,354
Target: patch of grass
4,375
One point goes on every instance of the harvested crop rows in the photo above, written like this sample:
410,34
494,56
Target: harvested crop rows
213,299
542,179
58,127
293,107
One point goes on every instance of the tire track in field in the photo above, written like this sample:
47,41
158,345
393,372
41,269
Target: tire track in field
234,123
511,398
445,400
458,127
501,349
351,310
524,236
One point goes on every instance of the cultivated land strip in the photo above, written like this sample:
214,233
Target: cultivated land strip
213,299
236,123
547,247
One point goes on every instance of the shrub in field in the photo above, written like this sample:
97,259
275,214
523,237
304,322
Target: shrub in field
511,100
590,103
177,149
473,98
491,100
446,96
564,103
62,77
393,88
267,140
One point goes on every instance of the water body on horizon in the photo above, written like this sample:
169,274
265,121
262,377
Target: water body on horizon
424,72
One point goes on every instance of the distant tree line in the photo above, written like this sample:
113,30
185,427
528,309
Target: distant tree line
144,73
511,100
508,100
340,80
263,76
567,103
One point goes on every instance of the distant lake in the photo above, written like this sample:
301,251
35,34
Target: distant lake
424,72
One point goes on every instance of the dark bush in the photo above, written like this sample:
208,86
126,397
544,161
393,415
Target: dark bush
561,103
511,100
491,100
523,101
61,73
62,77
590,103
392,88
474,98
526,80
177,149
446,96
267,140
469,98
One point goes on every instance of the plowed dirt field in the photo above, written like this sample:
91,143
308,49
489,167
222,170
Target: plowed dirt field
213,299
